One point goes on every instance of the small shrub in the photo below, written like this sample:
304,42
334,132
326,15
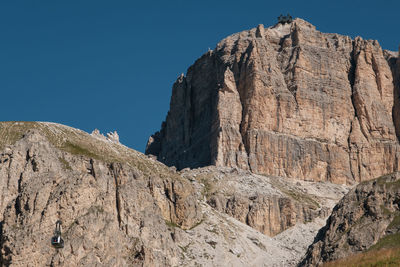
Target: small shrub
171,224
64,164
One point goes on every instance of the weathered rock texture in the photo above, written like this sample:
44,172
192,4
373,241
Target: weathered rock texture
121,208
284,216
286,101
113,202
268,204
368,213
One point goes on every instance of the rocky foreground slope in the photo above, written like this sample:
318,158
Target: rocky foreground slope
121,208
368,215
113,205
287,101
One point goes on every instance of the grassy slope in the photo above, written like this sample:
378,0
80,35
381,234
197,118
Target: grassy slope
376,258
78,142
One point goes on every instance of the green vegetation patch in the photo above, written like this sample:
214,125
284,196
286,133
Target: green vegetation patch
11,131
184,248
385,210
197,224
65,164
77,142
298,196
394,185
384,253
395,222
378,258
389,241
171,224
302,198
96,209
384,180
209,187
79,150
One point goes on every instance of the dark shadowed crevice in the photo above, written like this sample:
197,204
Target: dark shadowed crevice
376,72
281,42
191,113
17,204
91,168
114,173
396,104
8,172
292,88
349,152
243,96
394,64
288,66
153,146
351,76
192,147
351,79
5,252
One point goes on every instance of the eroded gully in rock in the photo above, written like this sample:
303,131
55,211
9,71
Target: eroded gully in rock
242,97
114,172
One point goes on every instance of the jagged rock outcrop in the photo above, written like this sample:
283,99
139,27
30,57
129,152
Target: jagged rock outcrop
121,208
113,202
112,136
287,214
270,215
268,204
367,214
287,101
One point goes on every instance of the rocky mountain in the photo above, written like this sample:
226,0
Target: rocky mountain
119,207
367,217
287,101
265,105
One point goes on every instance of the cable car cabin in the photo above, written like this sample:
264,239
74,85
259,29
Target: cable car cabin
56,240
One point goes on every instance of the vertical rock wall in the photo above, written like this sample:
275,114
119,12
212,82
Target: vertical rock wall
287,101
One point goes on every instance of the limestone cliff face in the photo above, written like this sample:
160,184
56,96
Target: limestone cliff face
287,101
366,216
113,202
269,204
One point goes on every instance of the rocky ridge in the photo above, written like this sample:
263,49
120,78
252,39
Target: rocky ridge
367,215
121,208
113,204
287,101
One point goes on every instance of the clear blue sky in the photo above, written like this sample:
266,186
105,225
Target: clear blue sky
111,64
